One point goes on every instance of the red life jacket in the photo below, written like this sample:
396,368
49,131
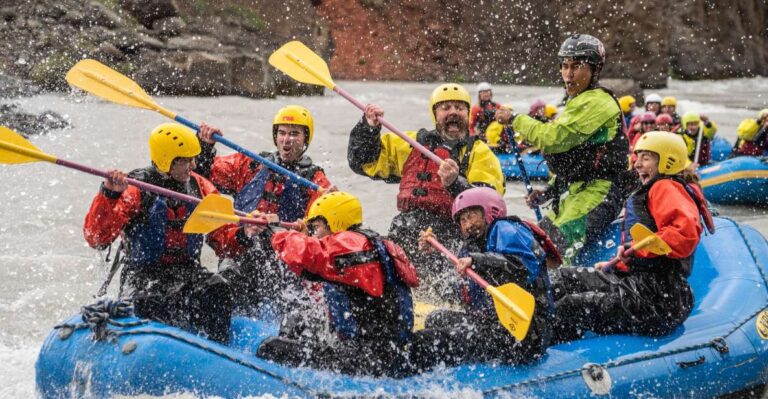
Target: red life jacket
420,185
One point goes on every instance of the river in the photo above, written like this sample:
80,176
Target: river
47,271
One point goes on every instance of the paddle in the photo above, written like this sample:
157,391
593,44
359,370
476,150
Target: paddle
299,62
523,172
514,305
644,239
15,149
215,211
103,81
699,138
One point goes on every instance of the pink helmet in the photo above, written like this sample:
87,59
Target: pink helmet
648,117
486,198
538,104
664,118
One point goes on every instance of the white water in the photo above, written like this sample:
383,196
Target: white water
47,271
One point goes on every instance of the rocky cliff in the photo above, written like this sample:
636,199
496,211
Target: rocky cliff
181,47
197,47
516,41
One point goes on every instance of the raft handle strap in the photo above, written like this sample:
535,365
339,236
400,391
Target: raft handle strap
692,363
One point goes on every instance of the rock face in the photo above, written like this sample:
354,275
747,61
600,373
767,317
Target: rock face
29,124
516,41
195,47
179,47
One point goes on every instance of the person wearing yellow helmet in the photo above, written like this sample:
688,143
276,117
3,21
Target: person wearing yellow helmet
692,127
495,134
752,139
628,105
584,147
162,272
368,295
255,274
550,112
427,189
644,293
484,112
669,107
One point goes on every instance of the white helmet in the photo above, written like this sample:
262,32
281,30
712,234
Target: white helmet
653,98
483,86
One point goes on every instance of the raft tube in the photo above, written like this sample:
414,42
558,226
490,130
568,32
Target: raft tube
721,348
721,149
534,164
736,181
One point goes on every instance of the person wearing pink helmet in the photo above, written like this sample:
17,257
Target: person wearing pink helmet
665,123
647,124
501,249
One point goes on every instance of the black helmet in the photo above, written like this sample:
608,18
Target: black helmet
583,47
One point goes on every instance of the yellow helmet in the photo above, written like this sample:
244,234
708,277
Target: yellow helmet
550,111
669,101
170,141
689,117
747,129
626,103
294,115
448,92
670,147
339,209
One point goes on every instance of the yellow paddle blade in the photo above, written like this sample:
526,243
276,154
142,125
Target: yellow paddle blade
103,81
420,312
299,62
645,239
211,213
16,149
514,306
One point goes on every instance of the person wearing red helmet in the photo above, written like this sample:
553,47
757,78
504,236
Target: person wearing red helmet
647,124
665,123
501,249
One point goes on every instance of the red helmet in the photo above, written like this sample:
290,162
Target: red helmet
537,105
484,197
648,117
664,118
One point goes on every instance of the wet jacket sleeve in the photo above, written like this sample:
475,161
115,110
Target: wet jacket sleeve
300,252
677,218
590,116
484,168
109,213
378,156
231,173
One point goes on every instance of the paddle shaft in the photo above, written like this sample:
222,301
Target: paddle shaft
271,165
149,104
415,144
98,172
699,138
247,219
448,254
497,295
629,252
523,172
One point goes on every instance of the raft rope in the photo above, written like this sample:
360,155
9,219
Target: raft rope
99,315
718,343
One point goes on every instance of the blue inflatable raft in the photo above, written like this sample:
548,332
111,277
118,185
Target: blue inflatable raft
722,348
740,180
534,164
721,149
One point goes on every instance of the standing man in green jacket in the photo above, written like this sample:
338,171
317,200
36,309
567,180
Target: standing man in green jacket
585,148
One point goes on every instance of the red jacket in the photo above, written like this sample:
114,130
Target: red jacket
107,217
322,257
476,113
677,219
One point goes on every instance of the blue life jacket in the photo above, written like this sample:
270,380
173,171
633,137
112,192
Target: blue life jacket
509,236
272,192
145,236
